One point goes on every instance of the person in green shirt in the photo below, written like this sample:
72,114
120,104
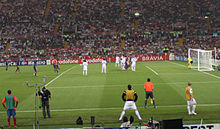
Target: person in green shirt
11,105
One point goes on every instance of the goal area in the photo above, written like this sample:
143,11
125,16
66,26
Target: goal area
202,59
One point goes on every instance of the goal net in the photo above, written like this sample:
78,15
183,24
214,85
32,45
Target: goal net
202,59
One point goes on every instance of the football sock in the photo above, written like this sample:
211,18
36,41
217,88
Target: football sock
138,115
188,108
9,123
145,104
193,108
14,122
122,114
154,103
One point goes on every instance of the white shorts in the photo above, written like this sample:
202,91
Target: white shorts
191,102
130,105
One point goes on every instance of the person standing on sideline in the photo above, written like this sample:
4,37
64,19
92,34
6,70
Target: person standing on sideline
104,65
11,105
18,66
133,63
190,99
85,67
6,65
35,68
117,61
122,63
148,86
45,95
130,97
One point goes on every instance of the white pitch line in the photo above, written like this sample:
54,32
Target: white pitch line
123,85
201,71
177,64
152,70
211,75
110,108
59,76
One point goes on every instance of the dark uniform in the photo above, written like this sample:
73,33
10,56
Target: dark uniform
45,95
6,65
18,68
35,68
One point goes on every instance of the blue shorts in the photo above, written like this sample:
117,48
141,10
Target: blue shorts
11,112
35,69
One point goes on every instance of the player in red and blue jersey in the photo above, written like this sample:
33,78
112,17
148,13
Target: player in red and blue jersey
55,65
35,68
58,64
18,68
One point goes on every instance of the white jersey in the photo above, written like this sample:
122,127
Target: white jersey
117,60
85,65
104,63
133,61
122,59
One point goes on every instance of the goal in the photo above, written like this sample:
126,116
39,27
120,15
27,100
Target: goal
202,59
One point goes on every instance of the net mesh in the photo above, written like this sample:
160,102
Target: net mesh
202,59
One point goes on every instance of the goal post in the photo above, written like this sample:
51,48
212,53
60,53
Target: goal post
202,59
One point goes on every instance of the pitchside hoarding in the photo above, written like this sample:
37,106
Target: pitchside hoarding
78,61
23,63
99,60
202,126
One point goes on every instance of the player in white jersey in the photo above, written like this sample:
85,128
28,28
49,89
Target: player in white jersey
117,61
104,65
85,67
122,63
133,63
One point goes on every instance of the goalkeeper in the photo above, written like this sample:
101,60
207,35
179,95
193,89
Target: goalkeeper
190,63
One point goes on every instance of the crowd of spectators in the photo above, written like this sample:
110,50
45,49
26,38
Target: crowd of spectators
97,28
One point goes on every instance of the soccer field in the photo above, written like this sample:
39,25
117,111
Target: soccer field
99,94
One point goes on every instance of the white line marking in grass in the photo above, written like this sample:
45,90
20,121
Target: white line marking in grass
177,64
152,70
193,69
211,75
60,75
123,85
110,108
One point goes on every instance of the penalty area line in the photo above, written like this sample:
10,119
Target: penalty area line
152,70
110,108
194,69
59,75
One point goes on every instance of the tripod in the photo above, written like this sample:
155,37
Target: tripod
37,87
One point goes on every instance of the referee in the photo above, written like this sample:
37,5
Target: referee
148,86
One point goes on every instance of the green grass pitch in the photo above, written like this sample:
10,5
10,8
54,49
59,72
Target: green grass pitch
99,94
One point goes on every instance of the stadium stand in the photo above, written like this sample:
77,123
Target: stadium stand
96,27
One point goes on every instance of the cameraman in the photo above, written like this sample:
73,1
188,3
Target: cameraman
45,95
